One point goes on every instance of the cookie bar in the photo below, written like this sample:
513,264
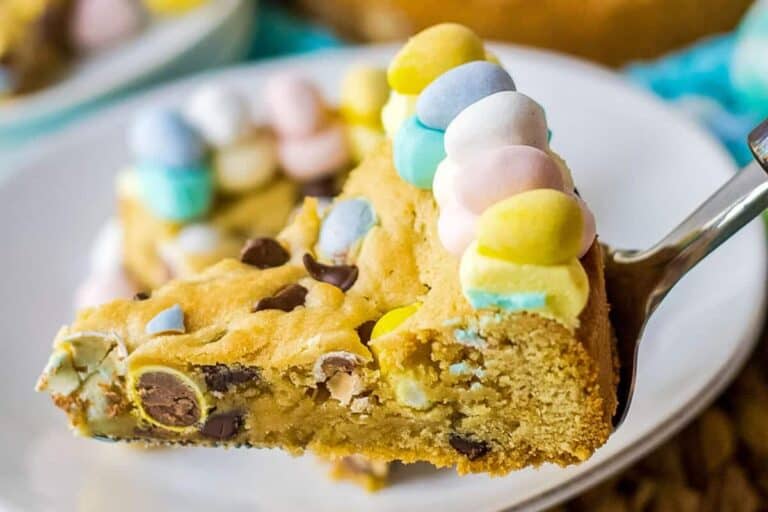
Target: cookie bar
373,327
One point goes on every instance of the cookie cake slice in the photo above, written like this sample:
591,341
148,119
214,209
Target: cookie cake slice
448,306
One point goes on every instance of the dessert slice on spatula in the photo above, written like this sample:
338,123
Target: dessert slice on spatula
449,306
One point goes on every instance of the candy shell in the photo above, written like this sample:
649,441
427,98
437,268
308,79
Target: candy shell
397,110
590,227
502,119
161,136
348,221
488,177
418,151
167,321
219,114
314,156
102,287
176,194
443,184
247,165
456,228
294,105
456,89
393,319
364,91
542,227
430,53
172,7
198,239
99,23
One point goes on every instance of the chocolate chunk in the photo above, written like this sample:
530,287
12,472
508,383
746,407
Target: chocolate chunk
321,187
343,276
472,449
141,296
219,377
286,299
168,400
223,426
364,330
264,253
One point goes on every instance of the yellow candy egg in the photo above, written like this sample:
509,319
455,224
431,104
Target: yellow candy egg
393,319
430,53
399,107
364,91
171,7
542,227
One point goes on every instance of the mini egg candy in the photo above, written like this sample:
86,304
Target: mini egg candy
198,239
161,136
393,319
345,225
456,89
590,227
294,105
246,165
542,227
501,119
100,23
219,114
176,194
418,151
172,7
456,228
364,91
396,111
443,184
167,321
430,53
488,177
314,156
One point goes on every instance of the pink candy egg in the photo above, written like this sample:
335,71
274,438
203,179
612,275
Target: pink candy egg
590,227
295,106
100,23
316,155
103,287
488,177
456,229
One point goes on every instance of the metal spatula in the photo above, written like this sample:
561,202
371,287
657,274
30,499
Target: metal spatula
638,280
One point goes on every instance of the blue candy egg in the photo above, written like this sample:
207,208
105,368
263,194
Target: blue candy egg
176,193
348,222
162,136
417,152
167,321
458,88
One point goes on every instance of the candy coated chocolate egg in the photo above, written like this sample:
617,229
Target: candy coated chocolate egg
162,137
167,321
393,319
345,225
219,114
590,227
418,151
247,165
488,177
398,108
198,239
364,91
542,227
444,182
456,228
176,194
294,105
456,89
430,53
314,156
501,119
100,23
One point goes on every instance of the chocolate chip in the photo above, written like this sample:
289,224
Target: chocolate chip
321,187
223,426
168,400
219,377
343,276
286,299
472,449
364,330
264,253
141,296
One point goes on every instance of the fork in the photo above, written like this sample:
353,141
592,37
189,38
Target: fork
638,280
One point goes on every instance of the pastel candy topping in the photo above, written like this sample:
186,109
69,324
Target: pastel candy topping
396,111
392,319
418,150
316,155
501,119
179,194
348,221
163,137
456,89
167,321
220,114
295,106
246,165
364,91
99,23
430,53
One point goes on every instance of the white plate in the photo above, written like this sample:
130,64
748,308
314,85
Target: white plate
641,167
212,35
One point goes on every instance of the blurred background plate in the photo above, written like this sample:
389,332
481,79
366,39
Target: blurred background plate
641,167
217,33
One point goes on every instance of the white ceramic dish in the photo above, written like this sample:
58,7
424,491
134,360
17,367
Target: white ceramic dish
212,35
640,166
